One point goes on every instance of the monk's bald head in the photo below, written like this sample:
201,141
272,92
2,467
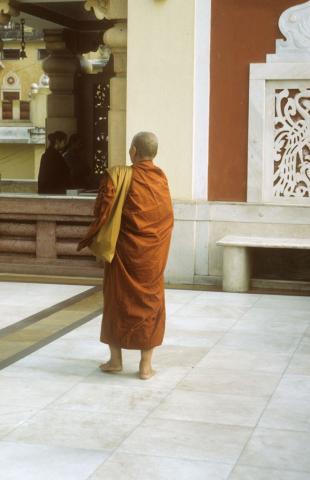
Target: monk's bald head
146,145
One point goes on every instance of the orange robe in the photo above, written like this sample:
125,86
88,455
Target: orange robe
134,302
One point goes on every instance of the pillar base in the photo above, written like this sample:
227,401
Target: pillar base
236,269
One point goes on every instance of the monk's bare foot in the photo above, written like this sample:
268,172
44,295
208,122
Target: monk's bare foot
145,371
146,376
110,367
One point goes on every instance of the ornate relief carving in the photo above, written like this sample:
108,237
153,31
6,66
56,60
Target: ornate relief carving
294,24
6,12
4,6
292,143
100,7
101,110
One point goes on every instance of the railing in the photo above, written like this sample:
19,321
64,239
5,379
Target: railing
39,235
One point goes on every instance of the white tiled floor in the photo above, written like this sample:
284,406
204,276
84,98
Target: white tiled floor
230,400
20,300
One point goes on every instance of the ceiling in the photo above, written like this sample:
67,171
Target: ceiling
52,14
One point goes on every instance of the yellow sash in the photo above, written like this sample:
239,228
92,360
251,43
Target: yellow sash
104,243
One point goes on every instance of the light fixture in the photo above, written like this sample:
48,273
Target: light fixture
22,52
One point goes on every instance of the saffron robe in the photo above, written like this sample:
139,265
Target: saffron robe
134,303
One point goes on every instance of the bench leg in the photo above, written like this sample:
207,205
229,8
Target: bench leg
236,269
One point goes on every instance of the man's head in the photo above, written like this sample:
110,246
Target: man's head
57,140
144,146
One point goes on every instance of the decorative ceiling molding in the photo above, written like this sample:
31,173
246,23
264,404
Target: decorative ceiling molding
100,8
6,12
294,24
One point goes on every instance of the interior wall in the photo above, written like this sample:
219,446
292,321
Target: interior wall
242,32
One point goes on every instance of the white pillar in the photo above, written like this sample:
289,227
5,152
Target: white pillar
116,39
168,86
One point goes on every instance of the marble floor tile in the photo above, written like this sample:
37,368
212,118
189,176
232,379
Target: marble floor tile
231,382
304,346
36,366
299,365
291,302
285,413
263,320
195,406
278,449
87,349
36,462
187,440
213,311
17,299
252,473
175,296
265,343
121,466
296,387
188,338
242,360
10,315
106,398
178,356
233,299
200,323
173,308
12,419
166,378
17,393
75,429
43,295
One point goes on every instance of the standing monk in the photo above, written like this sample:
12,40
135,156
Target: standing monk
134,303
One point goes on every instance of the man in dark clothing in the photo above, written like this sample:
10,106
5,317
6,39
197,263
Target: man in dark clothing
54,174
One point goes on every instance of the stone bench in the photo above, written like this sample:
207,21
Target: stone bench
236,257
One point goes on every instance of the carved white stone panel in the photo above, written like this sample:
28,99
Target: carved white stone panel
291,132
279,134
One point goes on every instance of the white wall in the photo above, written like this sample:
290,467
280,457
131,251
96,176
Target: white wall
162,78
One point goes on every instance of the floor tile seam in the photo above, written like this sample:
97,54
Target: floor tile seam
267,469
11,442
293,354
147,416
270,468
286,430
222,335
202,458
241,371
43,408
196,422
169,457
237,395
186,459
266,406
46,312
47,340
182,305
111,453
52,444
